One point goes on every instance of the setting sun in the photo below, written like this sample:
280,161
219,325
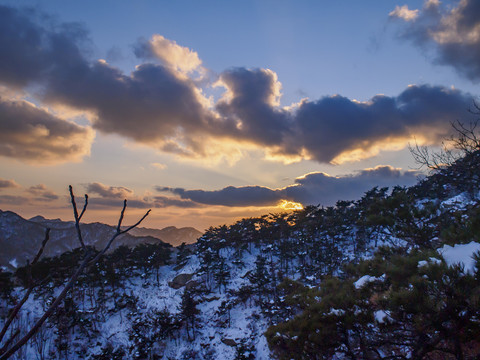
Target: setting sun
290,205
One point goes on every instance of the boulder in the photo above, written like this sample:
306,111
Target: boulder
229,342
180,281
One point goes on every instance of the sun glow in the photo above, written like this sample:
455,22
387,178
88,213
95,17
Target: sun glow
290,205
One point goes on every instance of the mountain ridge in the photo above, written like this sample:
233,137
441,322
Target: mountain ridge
20,238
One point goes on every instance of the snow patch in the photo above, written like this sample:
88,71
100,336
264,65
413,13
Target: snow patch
365,279
380,316
14,263
460,254
431,260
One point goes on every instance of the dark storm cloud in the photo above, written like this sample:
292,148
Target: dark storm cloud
453,33
30,133
159,105
314,188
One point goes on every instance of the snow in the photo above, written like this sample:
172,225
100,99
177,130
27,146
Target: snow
365,279
458,202
14,263
380,316
337,312
460,254
431,260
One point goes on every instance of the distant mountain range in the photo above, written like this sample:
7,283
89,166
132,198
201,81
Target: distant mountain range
170,234
20,238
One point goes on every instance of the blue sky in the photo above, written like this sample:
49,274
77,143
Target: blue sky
209,111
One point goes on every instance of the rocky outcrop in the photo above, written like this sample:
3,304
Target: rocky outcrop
180,281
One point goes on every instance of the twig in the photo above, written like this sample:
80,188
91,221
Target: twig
119,231
77,218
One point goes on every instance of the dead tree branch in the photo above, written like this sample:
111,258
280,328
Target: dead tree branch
88,259
465,141
25,297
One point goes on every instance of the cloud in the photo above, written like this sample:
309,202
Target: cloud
314,188
34,194
161,105
113,196
320,188
115,192
453,33
42,193
229,196
35,135
14,200
403,12
34,47
151,105
164,201
159,166
334,127
6,184
171,54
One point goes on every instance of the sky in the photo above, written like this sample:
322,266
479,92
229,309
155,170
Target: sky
211,111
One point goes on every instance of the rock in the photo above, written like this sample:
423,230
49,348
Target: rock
192,284
229,342
180,281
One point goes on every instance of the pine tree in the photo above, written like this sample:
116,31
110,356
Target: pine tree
189,311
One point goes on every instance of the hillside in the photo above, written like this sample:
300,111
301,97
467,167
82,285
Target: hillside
390,276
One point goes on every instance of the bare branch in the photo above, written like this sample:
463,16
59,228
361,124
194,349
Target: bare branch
119,232
87,260
9,341
50,310
120,219
136,224
75,214
44,242
84,207
25,297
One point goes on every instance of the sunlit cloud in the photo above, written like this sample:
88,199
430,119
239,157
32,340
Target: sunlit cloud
116,192
171,54
159,166
34,135
403,12
310,189
156,107
452,32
